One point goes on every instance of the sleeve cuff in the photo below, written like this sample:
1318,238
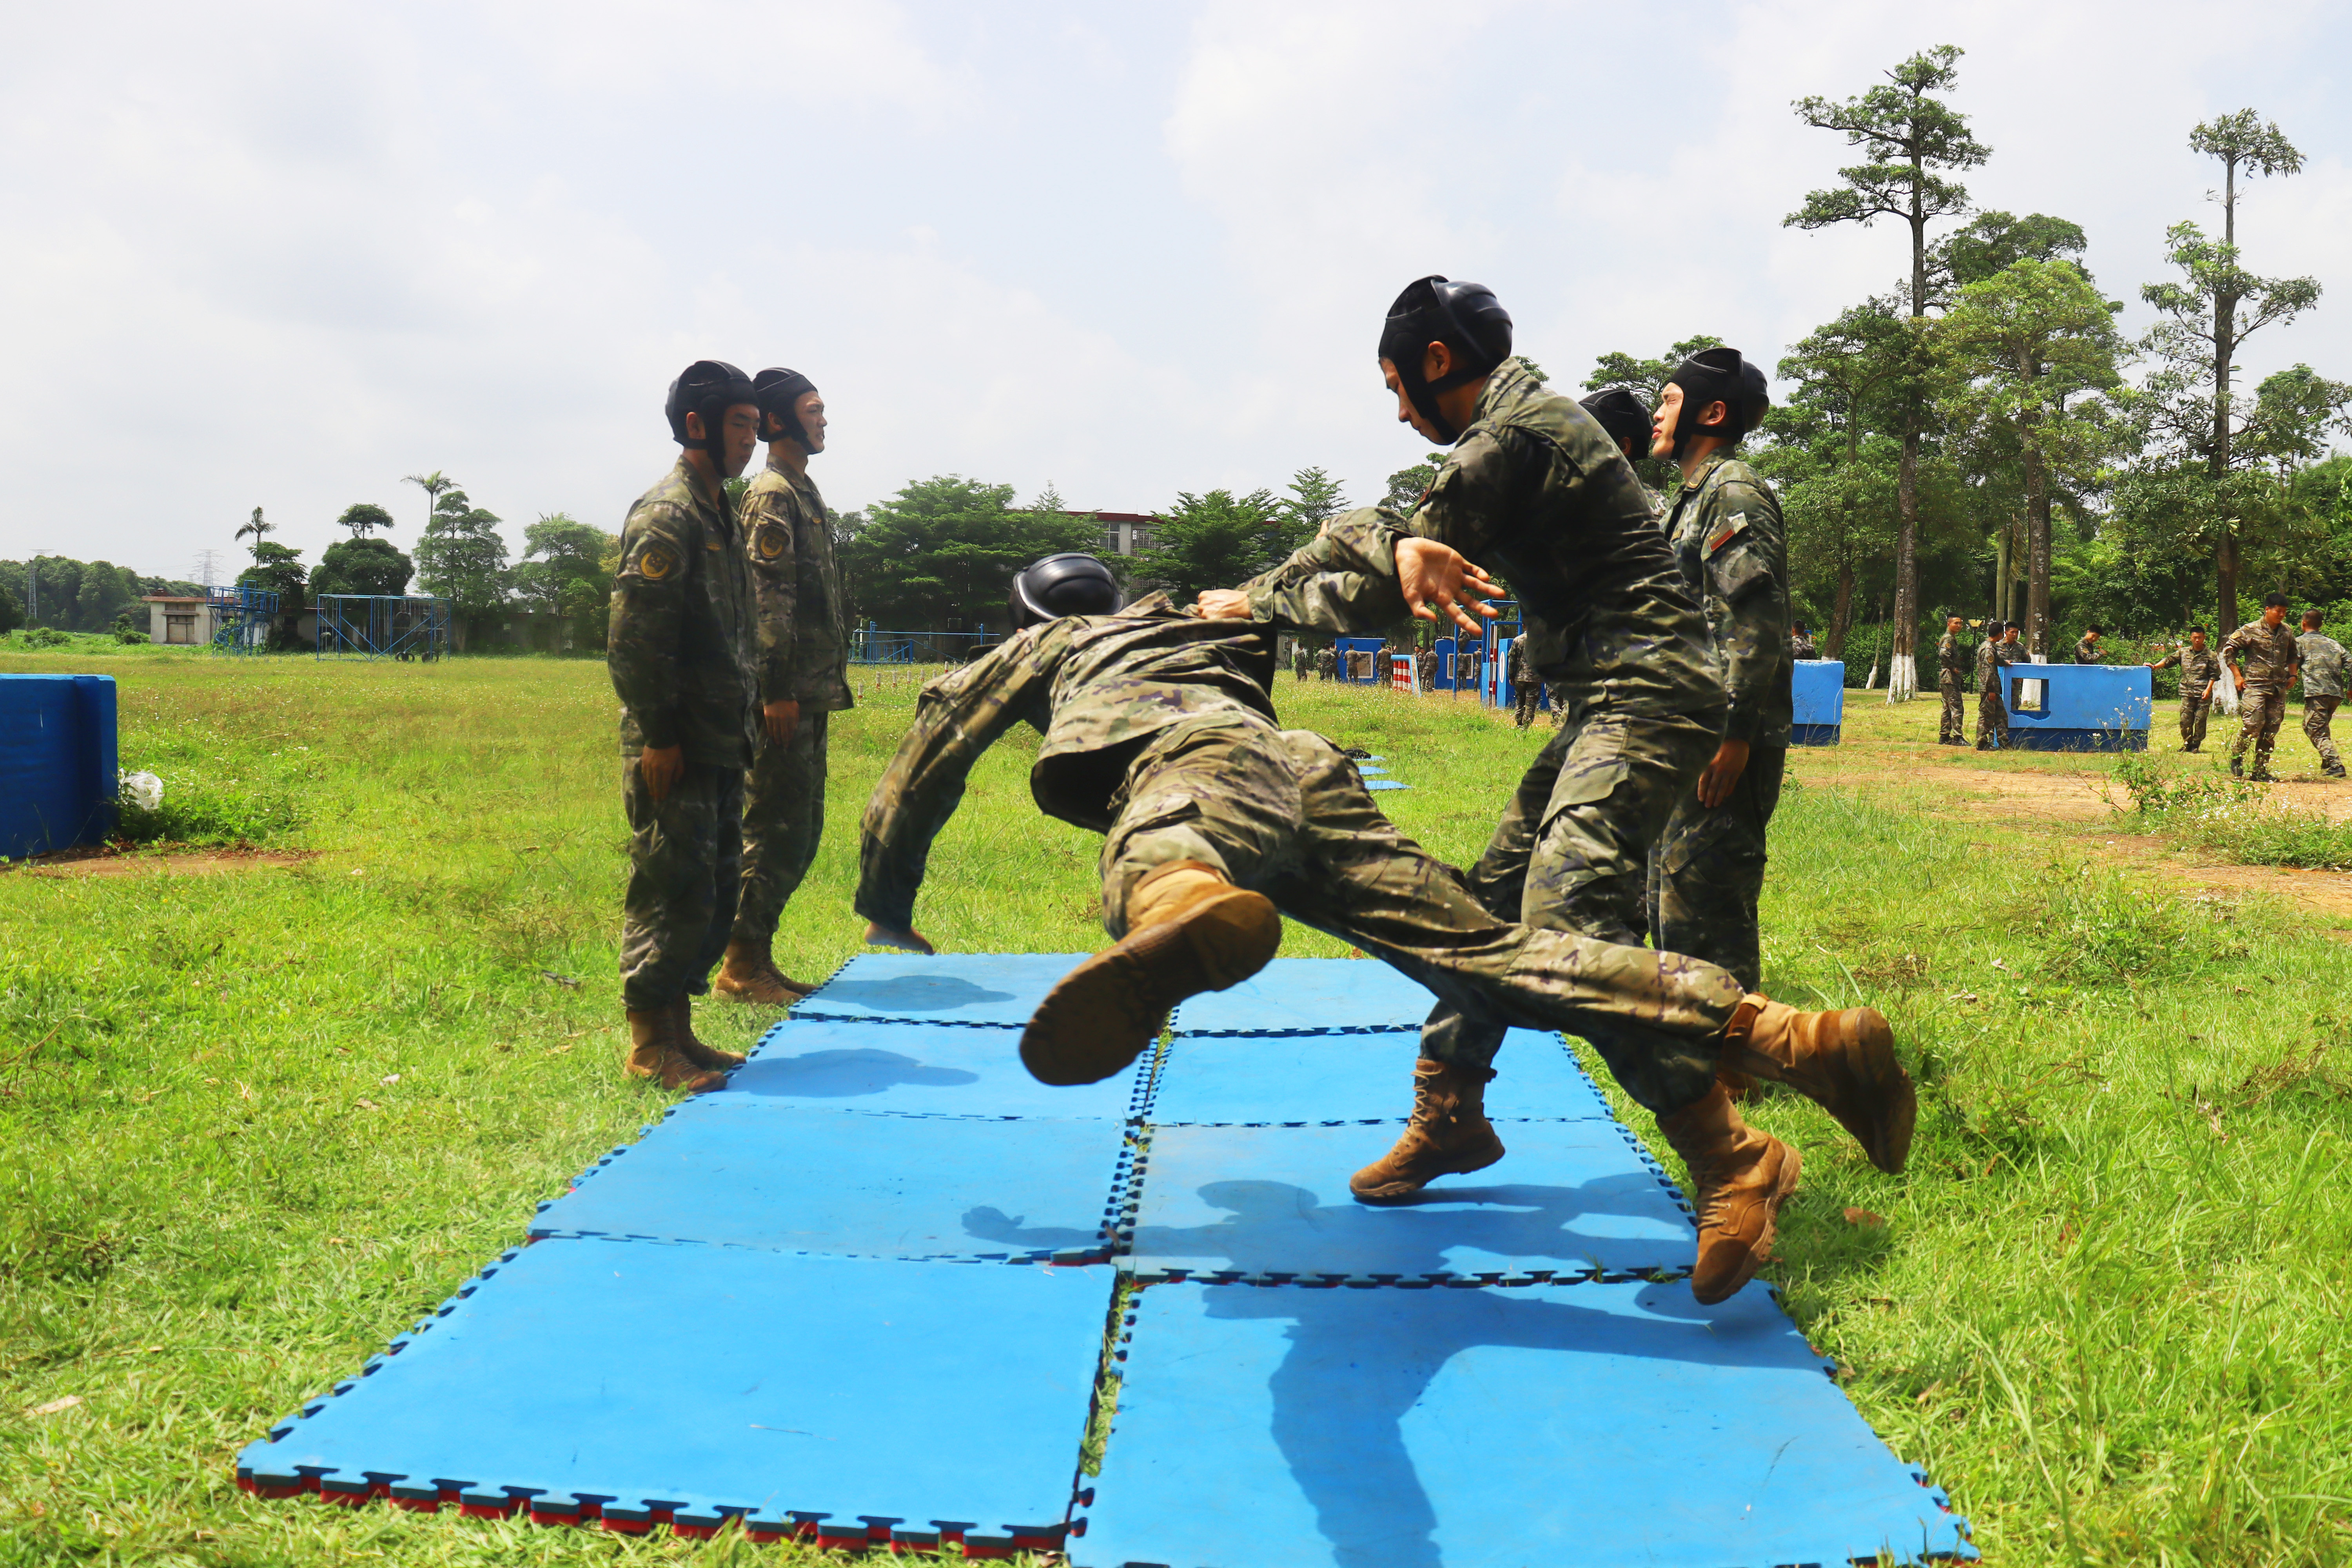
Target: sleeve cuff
659,730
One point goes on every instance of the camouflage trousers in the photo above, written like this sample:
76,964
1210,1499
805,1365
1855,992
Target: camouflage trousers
1708,871
2318,713
1572,854
685,868
1283,811
2261,710
1993,718
784,817
2194,711
1954,729
1523,696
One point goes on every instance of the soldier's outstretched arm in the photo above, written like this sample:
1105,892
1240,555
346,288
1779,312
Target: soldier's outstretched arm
960,715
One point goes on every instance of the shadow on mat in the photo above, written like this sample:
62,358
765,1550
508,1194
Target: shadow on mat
908,993
841,1074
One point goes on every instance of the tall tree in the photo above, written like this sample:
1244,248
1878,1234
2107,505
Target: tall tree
258,529
363,518
462,558
2202,320
1407,486
361,566
1845,371
434,485
1214,541
945,549
1910,140
1315,497
2032,353
563,572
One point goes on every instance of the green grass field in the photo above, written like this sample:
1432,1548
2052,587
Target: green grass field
253,1123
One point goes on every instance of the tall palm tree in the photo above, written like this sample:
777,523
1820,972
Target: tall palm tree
433,485
259,529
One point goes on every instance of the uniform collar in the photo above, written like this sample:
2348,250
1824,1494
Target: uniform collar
691,483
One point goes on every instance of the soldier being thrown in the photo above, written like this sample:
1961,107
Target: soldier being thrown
2201,667
1158,733
804,678
2261,655
680,650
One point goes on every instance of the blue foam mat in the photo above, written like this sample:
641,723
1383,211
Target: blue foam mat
993,988
713,1381
1310,997
1586,1424
736,1171
1572,1199
920,1070
1247,1079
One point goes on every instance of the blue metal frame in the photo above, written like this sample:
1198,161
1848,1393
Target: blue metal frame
241,618
869,644
383,626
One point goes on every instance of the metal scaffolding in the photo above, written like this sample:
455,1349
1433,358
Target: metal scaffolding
373,625
242,614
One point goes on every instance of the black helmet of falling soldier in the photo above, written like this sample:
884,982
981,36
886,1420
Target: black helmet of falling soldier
709,387
1074,583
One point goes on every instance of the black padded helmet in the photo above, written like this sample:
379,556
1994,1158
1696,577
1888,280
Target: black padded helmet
1712,376
1622,413
1760,392
777,390
709,387
1072,585
1466,318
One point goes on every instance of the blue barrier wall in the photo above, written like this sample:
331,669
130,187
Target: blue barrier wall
56,762
1818,689
2083,708
1345,646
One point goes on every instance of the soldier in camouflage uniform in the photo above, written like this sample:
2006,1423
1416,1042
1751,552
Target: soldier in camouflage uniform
1621,412
681,650
1801,643
2088,650
1992,674
2322,657
1523,684
1951,679
1159,734
1708,870
1538,490
1299,657
804,678
1326,662
2261,656
2201,667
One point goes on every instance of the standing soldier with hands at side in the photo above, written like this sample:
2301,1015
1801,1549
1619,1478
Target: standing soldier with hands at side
2323,688
2262,657
1992,711
803,675
2201,667
1951,670
680,651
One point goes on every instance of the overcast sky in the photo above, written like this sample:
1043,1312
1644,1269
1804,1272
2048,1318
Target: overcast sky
282,255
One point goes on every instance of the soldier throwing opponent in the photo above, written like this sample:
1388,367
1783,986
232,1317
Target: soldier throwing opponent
1158,733
803,679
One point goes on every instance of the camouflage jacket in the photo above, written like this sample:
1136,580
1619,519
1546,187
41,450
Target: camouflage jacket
1536,491
1096,687
683,640
1948,659
804,622
2266,652
1803,646
1728,540
1989,661
2087,652
2199,669
2322,664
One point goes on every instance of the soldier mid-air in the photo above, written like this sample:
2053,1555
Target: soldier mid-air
803,679
2322,657
1951,679
682,651
1536,489
2201,667
2261,656
1158,733
1708,870
1993,672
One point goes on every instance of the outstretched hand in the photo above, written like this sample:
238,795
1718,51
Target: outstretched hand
879,935
1439,584
1223,605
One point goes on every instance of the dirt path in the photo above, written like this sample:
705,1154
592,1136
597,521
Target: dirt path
1889,752
111,862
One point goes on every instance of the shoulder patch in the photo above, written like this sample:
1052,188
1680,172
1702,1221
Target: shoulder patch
769,542
1724,532
656,562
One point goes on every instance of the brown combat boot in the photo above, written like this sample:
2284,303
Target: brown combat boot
1843,1062
691,1046
1449,1135
750,974
1743,1176
1187,931
655,1052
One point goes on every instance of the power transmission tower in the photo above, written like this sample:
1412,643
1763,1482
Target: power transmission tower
207,566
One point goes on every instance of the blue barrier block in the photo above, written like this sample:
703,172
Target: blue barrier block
1310,997
1491,1428
737,1171
2081,707
921,1070
1818,694
57,767
1242,1080
791,1386
994,988
1574,1197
